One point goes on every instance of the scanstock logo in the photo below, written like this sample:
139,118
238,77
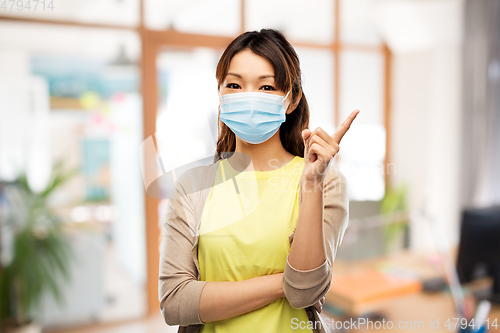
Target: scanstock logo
165,156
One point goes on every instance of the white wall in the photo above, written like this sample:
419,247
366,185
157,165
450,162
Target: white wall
14,111
426,117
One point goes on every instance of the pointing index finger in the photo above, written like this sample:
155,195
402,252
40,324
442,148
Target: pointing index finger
342,129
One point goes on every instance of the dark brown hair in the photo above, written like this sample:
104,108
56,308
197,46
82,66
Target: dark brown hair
273,46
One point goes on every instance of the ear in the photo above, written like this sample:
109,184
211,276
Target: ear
293,106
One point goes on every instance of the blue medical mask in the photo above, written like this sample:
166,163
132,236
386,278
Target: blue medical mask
253,116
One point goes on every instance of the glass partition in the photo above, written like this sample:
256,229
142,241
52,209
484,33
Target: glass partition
363,148
81,111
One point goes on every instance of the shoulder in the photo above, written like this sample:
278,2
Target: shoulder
195,179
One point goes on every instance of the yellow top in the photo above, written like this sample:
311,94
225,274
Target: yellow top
243,234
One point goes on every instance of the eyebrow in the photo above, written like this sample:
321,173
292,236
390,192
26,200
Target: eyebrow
260,77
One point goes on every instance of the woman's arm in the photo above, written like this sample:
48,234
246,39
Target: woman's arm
184,300
308,248
222,300
305,284
322,219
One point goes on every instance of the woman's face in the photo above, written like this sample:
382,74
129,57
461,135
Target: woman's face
250,72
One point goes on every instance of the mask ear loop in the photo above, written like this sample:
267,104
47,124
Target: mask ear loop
284,98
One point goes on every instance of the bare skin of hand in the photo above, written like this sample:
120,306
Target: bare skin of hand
321,148
222,300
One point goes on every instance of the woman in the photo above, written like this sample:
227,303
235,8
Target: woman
249,240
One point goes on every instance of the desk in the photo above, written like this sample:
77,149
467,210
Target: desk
418,307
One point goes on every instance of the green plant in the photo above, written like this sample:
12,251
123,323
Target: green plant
394,201
40,252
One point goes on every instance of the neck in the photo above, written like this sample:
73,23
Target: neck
264,156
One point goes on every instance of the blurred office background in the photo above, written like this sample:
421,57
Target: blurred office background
85,83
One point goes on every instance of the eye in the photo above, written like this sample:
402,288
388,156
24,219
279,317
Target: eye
268,88
232,86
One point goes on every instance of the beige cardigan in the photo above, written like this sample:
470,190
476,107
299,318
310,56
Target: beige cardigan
179,288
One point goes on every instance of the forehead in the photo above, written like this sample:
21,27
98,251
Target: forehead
248,63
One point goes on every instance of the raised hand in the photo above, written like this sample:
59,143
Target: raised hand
321,148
